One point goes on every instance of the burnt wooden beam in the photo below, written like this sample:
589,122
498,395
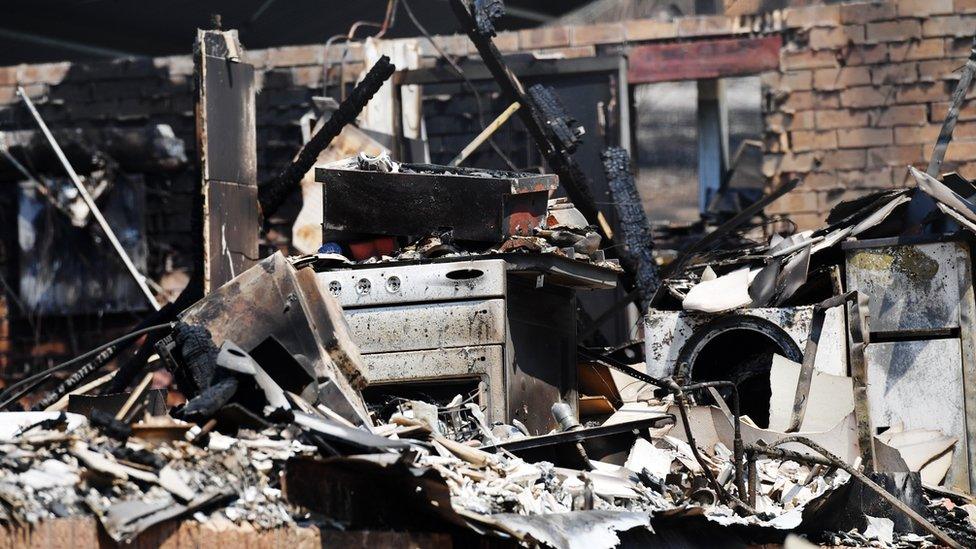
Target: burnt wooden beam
226,141
273,193
571,175
703,59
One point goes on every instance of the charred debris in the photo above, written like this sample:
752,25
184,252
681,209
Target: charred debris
425,371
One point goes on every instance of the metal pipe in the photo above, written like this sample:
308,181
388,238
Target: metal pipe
96,213
737,445
897,503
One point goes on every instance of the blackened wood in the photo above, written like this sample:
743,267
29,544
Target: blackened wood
273,193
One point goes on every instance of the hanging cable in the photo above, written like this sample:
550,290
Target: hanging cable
467,82
37,379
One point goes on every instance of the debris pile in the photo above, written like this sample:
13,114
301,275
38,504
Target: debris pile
432,358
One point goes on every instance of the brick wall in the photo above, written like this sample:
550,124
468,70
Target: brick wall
863,90
860,94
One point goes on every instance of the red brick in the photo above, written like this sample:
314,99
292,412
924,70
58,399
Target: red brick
175,65
906,135
453,44
807,221
8,94
827,38
840,78
822,180
505,42
600,33
924,8
789,163
938,111
844,159
290,56
964,6
900,115
898,155
704,25
544,37
803,120
788,81
953,25
806,100
841,118
798,200
780,121
913,50
865,96
857,138
806,59
921,93
964,131
572,52
805,141
957,47
893,31
814,16
897,73
306,76
865,13
649,29
944,69
961,151
8,76
258,58
865,54
43,73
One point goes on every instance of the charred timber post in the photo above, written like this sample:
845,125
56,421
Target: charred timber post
570,174
637,250
272,194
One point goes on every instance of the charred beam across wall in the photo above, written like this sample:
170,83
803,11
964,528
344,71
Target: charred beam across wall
273,193
534,116
148,149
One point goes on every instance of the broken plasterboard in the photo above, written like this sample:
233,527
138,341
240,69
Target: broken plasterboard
830,400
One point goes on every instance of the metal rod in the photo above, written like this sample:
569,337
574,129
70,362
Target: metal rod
737,445
96,213
949,124
486,133
897,503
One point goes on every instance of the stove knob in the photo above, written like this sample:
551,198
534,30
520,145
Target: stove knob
363,286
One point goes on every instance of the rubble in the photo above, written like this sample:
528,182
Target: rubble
425,370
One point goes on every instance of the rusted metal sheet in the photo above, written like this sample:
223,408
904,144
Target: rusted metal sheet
275,299
428,326
228,156
713,58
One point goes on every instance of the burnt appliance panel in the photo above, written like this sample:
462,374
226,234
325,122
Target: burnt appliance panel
420,199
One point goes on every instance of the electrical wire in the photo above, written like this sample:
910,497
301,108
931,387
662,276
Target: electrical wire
467,82
36,379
